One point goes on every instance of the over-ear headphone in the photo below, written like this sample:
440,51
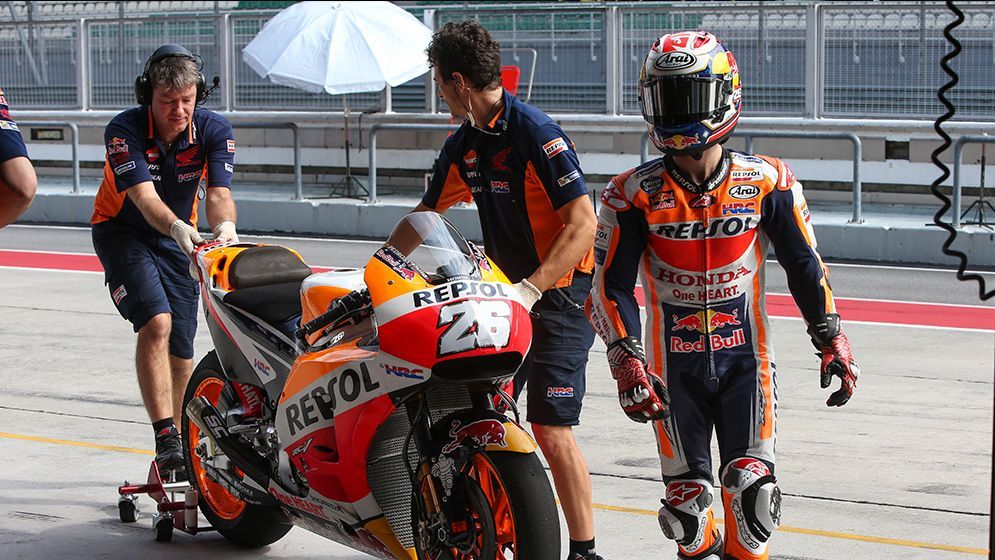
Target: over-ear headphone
143,85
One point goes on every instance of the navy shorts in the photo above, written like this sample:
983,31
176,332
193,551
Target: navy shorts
556,366
148,274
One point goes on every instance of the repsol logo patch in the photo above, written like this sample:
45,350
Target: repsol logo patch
320,403
720,227
458,290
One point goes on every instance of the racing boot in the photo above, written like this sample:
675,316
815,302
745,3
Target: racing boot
169,454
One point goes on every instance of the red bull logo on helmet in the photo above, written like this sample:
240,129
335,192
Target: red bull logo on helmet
478,434
679,142
706,321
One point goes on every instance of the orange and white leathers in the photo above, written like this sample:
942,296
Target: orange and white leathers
700,252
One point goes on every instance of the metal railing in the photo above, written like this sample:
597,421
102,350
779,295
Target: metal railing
812,59
74,139
750,135
958,154
296,131
374,130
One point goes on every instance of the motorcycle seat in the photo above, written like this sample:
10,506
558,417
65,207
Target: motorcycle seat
267,282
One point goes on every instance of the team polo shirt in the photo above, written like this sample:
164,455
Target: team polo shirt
519,176
11,143
135,155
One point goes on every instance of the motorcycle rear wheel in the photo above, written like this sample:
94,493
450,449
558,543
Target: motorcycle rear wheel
526,523
240,522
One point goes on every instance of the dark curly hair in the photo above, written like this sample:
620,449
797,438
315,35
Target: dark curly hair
466,47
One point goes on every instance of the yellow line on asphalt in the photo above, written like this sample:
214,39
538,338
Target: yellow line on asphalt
78,444
605,507
828,534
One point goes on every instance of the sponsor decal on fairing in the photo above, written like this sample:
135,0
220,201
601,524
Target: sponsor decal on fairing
320,401
477,434
396,261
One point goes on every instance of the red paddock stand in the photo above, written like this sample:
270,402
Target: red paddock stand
164,494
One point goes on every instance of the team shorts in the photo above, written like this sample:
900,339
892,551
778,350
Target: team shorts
556,366
148,274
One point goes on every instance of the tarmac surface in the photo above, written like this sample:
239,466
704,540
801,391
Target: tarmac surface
901,472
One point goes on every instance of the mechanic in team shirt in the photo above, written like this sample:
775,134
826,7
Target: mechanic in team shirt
17,176
159,155
538,225
696,225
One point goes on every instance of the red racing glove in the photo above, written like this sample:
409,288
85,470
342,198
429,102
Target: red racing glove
641,393
837,360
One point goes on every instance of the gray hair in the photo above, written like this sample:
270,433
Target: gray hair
174,73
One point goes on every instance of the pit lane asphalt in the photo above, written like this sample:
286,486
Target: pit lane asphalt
902,471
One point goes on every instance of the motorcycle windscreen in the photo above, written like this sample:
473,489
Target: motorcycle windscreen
451,321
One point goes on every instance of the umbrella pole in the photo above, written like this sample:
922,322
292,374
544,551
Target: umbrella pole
349,179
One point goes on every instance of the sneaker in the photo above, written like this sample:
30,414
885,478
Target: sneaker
169,451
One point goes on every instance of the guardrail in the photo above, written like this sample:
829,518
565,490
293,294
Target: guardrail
74,135
298,180
372,194
958,153
750,135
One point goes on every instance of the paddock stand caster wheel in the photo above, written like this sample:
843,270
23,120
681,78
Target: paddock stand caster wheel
127,509
162,526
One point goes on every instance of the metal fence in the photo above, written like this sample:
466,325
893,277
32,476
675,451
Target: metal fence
797,59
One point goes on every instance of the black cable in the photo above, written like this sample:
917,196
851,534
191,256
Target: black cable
935,157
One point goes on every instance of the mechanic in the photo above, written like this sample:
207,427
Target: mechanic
696,225
145,226
538,225
17,176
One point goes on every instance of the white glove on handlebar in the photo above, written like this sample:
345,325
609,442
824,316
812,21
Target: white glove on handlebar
530,294
225,231
185,236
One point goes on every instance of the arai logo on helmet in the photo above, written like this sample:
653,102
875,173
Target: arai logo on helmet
674,61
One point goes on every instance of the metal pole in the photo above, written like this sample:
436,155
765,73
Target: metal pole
813,48
748,143
857,185
82,67
371,195
24,43
298,179
958,149
613,54
226,70
644,147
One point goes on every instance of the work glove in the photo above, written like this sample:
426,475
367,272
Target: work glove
641,393
225,231
530,294
837,360
185,236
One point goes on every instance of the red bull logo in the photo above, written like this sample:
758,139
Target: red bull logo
714,342
478,434
679,142
706,321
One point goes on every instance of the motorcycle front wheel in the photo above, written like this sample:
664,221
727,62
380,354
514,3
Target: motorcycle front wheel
525,521
240,522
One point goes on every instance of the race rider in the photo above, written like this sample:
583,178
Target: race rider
696,224
145,225
538,225
17,176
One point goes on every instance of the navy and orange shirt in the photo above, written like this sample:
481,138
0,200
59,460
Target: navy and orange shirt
11,143
519,172
135,155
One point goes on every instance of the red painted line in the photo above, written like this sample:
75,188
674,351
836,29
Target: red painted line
778,305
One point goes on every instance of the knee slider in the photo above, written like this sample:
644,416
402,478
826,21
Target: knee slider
755,499
684,515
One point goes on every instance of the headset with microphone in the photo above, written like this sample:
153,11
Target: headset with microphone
143,85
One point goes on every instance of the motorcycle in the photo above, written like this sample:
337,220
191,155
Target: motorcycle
365,405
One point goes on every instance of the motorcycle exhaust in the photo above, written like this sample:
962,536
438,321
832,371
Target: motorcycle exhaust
209,421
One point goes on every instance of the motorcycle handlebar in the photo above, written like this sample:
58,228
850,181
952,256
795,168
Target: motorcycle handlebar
342,308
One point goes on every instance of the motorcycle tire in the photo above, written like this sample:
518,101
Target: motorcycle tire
246,524
485,545
526,522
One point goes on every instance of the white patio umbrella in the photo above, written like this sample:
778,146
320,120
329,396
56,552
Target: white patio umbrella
340,47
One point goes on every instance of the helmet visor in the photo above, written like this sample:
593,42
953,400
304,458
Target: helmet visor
682,100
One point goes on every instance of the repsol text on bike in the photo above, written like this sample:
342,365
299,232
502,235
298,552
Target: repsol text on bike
456,290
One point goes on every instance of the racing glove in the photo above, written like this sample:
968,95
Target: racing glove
530,294
185,236
641,393
837,360
225,231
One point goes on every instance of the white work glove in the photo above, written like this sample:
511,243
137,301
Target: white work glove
225,231
530,294
185,236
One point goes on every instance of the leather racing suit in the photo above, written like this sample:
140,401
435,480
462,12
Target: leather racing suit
700,253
